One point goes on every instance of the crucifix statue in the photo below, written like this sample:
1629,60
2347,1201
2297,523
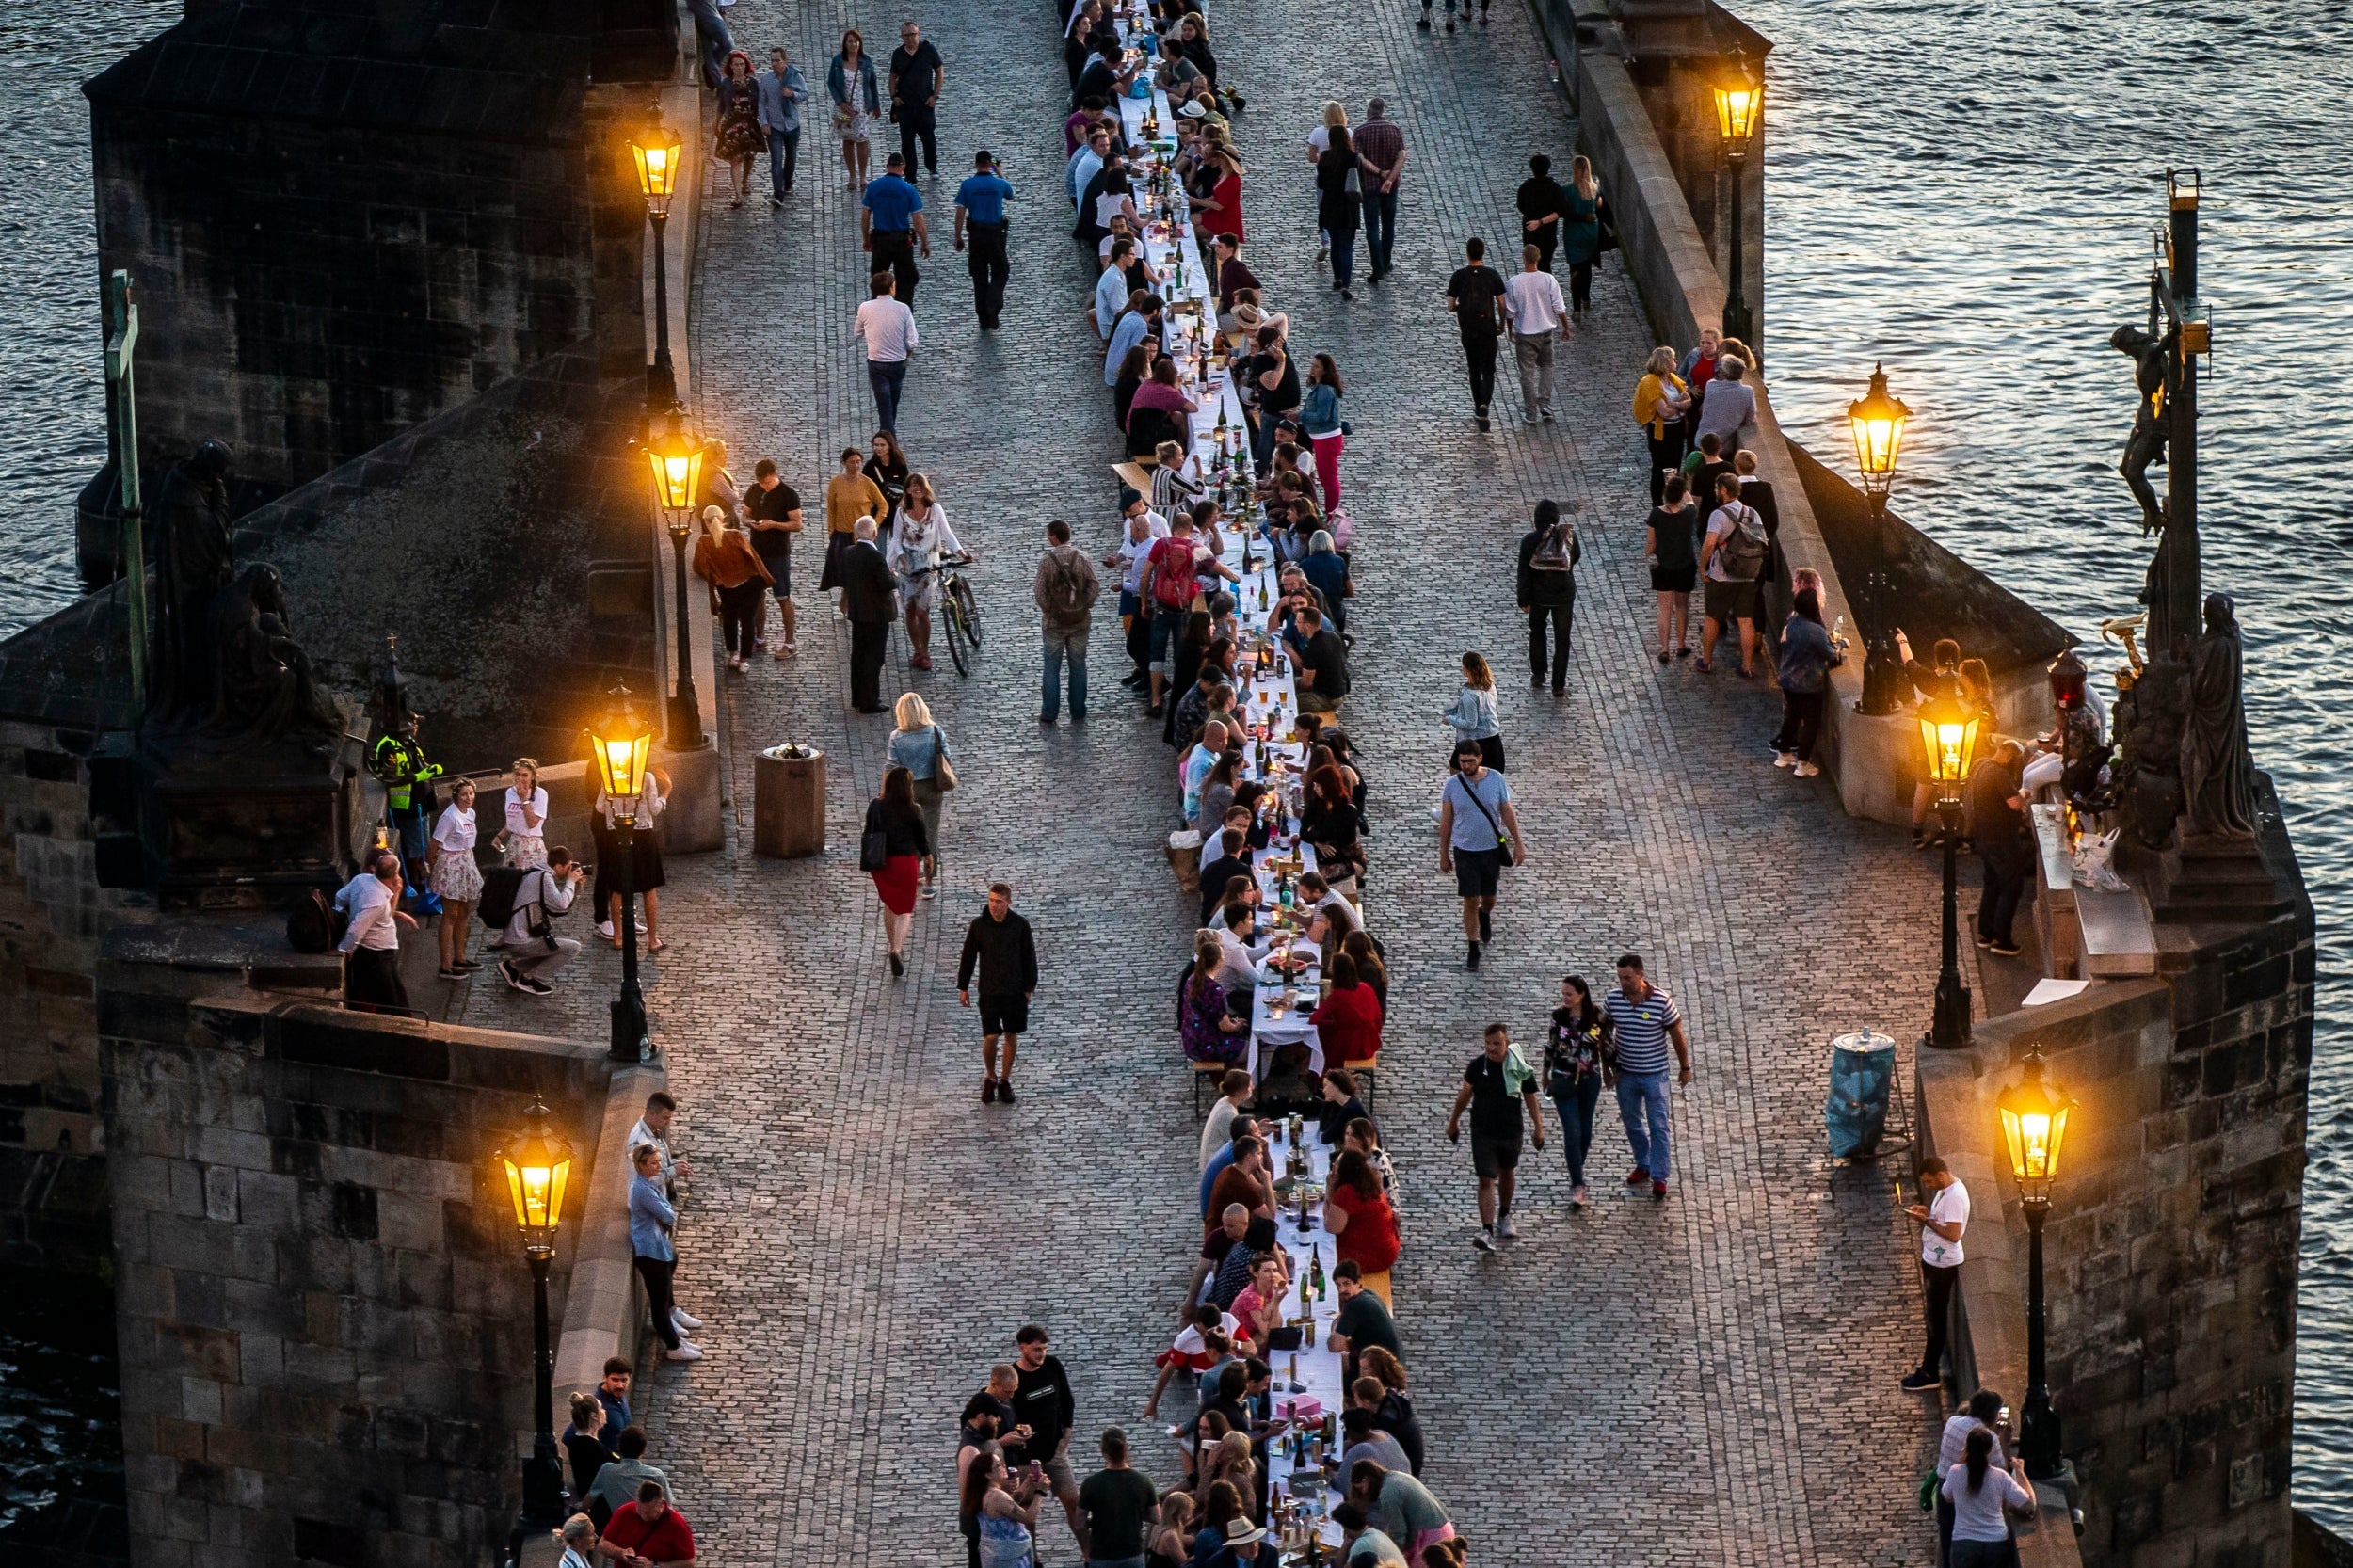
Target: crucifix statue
122,336
2164,422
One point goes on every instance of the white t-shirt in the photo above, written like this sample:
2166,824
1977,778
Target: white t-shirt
1320,140
1190,1343
1977,1516
538,806
1949,1206
1134,552
456,830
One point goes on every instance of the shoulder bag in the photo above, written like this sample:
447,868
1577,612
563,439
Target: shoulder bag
874,846
943,771
1503,839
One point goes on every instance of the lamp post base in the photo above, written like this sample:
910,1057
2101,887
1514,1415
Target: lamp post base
1949,1029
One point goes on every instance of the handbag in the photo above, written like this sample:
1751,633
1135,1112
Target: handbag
1503,839
943,771
874,846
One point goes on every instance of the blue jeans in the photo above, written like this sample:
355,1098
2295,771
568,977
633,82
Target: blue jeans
1059,647
1577,1123
1640,1095
1380,228
1343,257
886,377
784,155
710,32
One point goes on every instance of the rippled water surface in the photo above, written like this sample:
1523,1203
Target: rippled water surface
1966,192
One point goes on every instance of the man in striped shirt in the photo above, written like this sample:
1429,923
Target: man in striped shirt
1644,1019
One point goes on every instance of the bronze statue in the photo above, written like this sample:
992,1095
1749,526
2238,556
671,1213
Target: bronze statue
2149,356
262,689
194,562
2218,771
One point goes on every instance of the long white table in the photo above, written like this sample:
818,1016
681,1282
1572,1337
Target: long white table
1312,1372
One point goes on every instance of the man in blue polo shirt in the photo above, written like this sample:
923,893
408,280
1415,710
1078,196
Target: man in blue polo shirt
981,208
891,220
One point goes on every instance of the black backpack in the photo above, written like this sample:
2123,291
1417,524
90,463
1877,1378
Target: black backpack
499,885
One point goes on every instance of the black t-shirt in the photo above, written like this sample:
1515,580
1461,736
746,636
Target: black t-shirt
1327,656
1989,791
1477,293
1678,545
1541,195
776,506
914,71
1365,1320
1495,1110
1117,1502
1285,395
1096,81
1044,1400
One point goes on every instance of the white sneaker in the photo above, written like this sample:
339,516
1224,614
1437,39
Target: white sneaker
684,1320
685,1351
1784,758
1506,1229
1808,770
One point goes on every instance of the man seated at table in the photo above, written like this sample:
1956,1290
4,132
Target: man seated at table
1189,1355
1108,73
1363,1318
1361,1439
1087,162
1322,662
1246,1181
1232,846
1192,709
1233,1272
1243,1126
1315,893
1233,1223
647,1531
1240,949
1362,1543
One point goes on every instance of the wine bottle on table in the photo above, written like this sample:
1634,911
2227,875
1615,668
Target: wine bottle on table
1315,1271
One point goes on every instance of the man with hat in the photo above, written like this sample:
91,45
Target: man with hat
1242,1539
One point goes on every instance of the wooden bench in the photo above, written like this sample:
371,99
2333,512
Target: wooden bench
1211,1070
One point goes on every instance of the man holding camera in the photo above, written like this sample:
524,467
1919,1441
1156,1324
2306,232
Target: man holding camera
535,954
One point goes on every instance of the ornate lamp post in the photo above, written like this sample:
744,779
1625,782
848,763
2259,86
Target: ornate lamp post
2034,1125
677,462
538,1167
619,742
656,154
1877,422
1739,106
1948,735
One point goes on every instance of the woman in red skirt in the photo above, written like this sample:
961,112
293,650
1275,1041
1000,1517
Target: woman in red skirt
908,855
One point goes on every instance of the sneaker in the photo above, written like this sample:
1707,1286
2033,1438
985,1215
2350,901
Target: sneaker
1658,1191
930,891
1486,925
1637,1175
684,1319
538,988
1449,25
1506,1231
1547,416
1920,1383
683,1352
1423,24
1484,425
1525,418
1346,294
512,976
2007,950
1484,1241
1577,1197
988,1091
1473,962
448,974
466,966
1004,1091
1808,770
1780,759
1323,253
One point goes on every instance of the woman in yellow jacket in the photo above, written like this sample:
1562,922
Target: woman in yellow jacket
725,559
1661,401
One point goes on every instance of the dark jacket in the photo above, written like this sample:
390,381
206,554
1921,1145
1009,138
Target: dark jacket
1547,587
903,834
866,582
1002,951
1213,879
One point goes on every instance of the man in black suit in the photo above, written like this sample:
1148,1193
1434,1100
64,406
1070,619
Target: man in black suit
870,597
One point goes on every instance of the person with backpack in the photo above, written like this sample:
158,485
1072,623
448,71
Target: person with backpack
1064,590
535,954
1475,295
1478,834
1550,551
1171,581
1731,557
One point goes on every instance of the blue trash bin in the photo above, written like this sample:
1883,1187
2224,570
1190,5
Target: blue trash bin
1862,1075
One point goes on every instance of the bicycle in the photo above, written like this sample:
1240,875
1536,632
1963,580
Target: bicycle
959,612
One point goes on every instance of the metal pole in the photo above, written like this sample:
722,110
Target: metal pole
1882,672
630,1043
2039,1424
1737,321
1950,1027
124,319
687,724
543,1473
662,380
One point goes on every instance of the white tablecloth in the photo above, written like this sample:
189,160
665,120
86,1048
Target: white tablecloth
1319,1372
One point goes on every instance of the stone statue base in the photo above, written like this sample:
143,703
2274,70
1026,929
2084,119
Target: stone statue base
223,829
2211,879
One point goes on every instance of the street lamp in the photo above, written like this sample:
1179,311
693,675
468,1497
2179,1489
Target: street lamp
656,154
1739,106
1948,736
538,1167
677,462
2034,1125
619,742
1878,421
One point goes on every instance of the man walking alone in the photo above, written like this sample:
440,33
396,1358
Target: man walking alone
981,208
997,945
1478,834
916,78
1533,301
1066,590
888,328
1475,295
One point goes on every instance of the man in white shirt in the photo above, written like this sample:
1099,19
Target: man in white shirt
371,944
1942,1220
1237,969
1731,556
652,1131
888,328
535,952
1234,1088
1533,305
1144,528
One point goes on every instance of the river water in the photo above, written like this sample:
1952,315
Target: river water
1964,191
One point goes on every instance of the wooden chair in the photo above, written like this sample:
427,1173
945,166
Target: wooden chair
1211,1070
1366,1072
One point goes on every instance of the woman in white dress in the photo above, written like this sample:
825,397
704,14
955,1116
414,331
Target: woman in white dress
452,872
920,538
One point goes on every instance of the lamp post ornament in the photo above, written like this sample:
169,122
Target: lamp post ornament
122,337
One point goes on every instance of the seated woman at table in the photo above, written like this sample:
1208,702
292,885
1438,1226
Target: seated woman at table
1204,1024
1220,1503
1262,801
1331,822
1133,371
1362,1222
1340,1105
1160,412
1261,1305
1369,968
1349,1019
1217,793
1169,1543
1216,190
1394,1413
1176,479
1229,1464
1363,1137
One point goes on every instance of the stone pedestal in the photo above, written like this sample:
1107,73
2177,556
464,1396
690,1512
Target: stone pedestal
217,829
693,822
2205,879
1877,764
789,804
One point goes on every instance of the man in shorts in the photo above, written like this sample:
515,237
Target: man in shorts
999,946
1731,555
1478,834
1495,1085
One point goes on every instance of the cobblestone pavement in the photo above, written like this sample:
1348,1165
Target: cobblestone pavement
1707,1381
